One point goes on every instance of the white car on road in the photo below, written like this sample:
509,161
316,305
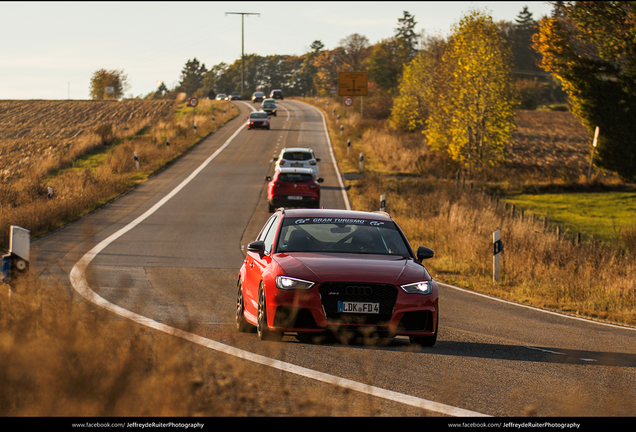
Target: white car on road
297,157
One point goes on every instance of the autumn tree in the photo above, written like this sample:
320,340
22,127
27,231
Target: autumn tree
115,79
591,48
472,102
192,77
411,106
355,50
386,62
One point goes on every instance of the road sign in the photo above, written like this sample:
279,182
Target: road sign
348,101
352,84
193,102
333,89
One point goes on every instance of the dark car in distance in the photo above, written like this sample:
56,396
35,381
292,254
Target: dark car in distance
277,94
312,271
258,96
269,106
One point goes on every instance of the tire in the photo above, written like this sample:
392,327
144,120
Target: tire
263,332
241,323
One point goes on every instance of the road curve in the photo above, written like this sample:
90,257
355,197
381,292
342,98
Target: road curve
166,259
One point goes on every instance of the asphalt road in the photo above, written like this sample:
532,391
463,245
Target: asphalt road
174,259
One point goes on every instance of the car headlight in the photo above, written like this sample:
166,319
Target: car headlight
290,283
423,287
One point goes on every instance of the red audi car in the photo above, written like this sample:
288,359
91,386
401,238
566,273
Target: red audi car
293,187
258,119
311,271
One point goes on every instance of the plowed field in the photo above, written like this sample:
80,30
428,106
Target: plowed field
33,130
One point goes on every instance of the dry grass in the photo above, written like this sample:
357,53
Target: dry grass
60,356
91,169
457,220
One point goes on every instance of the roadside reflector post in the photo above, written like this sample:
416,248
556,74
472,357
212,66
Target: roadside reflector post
168,143
361,161
49,194
496,258
348,146
589,171
341,129
382,202
136,158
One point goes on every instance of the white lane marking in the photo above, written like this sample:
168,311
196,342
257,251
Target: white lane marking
560,353
80,284
587,320
545,350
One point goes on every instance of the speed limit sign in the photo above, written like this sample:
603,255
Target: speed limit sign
348,101
193,102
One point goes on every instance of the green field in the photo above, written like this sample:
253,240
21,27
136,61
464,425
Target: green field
601,214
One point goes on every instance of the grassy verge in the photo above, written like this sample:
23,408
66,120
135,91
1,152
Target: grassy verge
606,216
594,279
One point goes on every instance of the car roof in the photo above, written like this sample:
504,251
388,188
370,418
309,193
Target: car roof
296,170
297,149
337,213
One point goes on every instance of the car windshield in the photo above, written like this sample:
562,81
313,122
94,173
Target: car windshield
295,177
269,105
341,236
258,115
297,156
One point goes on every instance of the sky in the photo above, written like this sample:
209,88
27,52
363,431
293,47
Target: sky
50,50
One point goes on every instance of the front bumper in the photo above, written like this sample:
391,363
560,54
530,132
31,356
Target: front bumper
316,310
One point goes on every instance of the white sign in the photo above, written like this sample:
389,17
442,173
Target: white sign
193,102
348,101
109,89
20,242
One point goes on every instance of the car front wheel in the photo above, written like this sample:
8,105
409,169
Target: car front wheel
241,323
264,333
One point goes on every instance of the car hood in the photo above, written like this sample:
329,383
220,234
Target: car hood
325,267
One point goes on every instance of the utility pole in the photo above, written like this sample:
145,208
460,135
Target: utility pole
242,42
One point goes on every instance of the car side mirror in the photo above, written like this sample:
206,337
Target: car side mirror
274,159
268,178
257,246
320,180
424,253
317,159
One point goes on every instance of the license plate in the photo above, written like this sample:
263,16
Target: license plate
359,307
296,164
294,197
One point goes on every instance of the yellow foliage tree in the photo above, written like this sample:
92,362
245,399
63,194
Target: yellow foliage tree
472,99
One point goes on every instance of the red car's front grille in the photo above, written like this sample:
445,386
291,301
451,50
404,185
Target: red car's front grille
331,293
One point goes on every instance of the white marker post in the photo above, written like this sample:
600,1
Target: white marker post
361,162
497,249
589,171
382,202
